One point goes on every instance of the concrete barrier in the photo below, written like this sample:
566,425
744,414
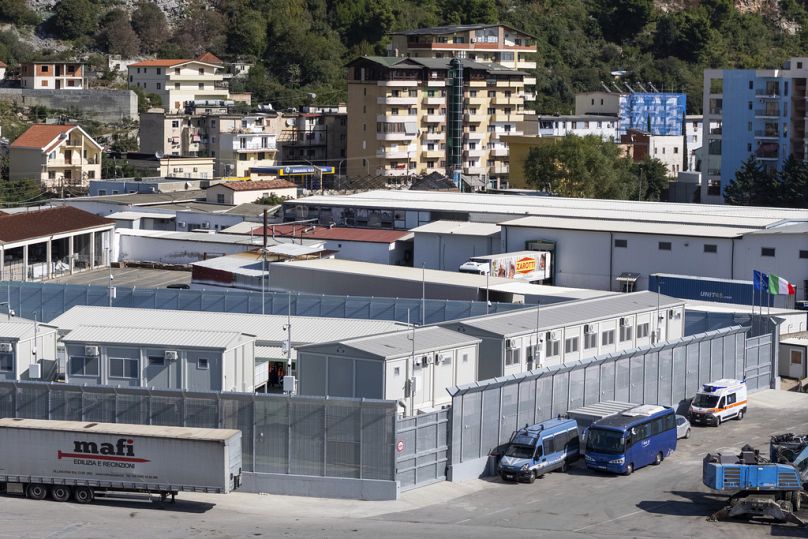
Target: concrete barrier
99,105
320,487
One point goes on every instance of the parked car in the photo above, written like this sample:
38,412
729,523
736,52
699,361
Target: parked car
682,427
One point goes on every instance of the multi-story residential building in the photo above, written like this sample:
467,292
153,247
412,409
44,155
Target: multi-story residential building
481,43
764,113
657,113
640,146
179,81
3,68
603,127
398,116
316,135
237,142
53,76
55,155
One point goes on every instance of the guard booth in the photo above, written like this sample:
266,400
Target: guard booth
628,281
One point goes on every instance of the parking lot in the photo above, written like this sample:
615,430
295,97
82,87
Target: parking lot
660,502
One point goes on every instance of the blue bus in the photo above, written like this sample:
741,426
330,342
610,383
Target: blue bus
624,442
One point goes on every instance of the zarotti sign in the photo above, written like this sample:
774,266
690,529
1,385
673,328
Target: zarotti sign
121,454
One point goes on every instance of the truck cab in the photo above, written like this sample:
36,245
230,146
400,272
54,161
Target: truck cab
476,266
538,449
719,401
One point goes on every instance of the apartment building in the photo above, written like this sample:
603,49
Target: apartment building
55,155
179,81
317,135
764,113
481,43
53,76
398,116
237,142
601,126
657,113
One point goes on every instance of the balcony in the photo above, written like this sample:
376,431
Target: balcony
502,99
475,118
399,135
474,170
393,172
435,100
497,170
473,152
715,130
407,83
436,82
434,136
476,100
499,151
502,117
474,135
522,64
435,118
394,154
396,118
390,100
435,152
768,133
767,112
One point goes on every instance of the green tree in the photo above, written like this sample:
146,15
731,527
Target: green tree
752,186
17,12
19,191
271,200
150,24
248,33
146,101
580,167
622,20
793,191
116,35
652,180
73,19
200,29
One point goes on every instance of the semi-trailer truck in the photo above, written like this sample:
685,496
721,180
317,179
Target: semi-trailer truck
530,266
80,459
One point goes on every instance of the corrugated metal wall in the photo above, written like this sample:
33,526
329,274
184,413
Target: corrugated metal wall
46,301
486,413
300,435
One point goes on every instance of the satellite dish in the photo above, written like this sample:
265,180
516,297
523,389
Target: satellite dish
158,155
290,122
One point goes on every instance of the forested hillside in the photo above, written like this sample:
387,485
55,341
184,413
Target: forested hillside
302,45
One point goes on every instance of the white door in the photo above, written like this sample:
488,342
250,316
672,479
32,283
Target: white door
796,364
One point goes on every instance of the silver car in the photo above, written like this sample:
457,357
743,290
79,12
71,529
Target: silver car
682,427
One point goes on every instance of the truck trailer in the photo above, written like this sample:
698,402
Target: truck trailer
80,459
530,266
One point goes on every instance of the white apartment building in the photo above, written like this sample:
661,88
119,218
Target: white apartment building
178,81
601,126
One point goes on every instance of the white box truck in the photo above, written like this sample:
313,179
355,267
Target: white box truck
530,266
79,459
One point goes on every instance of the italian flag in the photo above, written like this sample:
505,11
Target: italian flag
778,285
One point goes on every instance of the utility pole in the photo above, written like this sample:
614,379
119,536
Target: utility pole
537,352
264,265
109,264
423,293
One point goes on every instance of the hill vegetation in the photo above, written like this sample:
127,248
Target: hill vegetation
301,45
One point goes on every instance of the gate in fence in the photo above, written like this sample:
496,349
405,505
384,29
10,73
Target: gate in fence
422,450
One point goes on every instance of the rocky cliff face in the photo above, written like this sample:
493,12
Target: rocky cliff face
172,8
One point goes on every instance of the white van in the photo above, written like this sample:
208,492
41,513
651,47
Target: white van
718,401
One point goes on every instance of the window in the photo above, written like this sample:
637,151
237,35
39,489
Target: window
512,356
621,243
159,71
731,398
45,69
202,363
83,366
123,367
176,85
626,333
157,361
6,362
803,254
220,198
102,192
590,341
201,85
396,371
710,248
751,84
607,337
642,330
175,124
571,345
159,86
767,251
664,246
553,347
201,70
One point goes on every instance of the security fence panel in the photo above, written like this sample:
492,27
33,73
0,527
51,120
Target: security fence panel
311,436
422,449
486,413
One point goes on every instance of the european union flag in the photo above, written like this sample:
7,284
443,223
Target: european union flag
759,280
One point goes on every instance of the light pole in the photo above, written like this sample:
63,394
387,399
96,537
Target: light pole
109,265
9,311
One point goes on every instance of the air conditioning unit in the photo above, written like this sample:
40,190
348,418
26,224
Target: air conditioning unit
5,347
35,371
555,335
589,329
206,224
91,351
473,40
171,355
671,313
509,344
426,360
624,323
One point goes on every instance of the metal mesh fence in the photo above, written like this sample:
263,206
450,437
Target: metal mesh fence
46,301
422,451
282,435
485,414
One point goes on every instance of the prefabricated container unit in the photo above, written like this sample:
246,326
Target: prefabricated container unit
78,458
702,288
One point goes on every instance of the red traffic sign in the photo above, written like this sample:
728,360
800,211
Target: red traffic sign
400,446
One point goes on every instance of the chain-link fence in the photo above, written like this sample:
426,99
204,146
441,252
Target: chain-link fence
46,301
311,436
484,414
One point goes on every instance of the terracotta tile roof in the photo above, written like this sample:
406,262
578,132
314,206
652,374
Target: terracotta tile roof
336,233
41,135
2,64
257,185
160,62
210,58
35,224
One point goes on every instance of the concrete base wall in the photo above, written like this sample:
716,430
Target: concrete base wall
99,105
320,487
471,469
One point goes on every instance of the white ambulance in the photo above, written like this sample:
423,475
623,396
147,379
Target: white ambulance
718,401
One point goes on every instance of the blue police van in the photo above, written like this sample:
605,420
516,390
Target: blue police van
538,449
627,441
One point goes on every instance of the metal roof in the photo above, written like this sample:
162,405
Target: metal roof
786,228
20,328
204,237
601,409
147,199
497,207
268,329
558,315
452,28
630,227
152,336
400,343
135,215
458,228
150,431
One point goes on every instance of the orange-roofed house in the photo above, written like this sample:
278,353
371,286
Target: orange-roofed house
53,76
55,155
179,81
235,193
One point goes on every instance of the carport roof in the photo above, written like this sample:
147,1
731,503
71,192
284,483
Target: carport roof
16,227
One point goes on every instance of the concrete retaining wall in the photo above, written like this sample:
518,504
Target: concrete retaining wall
320,487
98,105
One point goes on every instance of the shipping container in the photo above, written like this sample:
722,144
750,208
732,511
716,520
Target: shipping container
77,459
703,288
531,266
